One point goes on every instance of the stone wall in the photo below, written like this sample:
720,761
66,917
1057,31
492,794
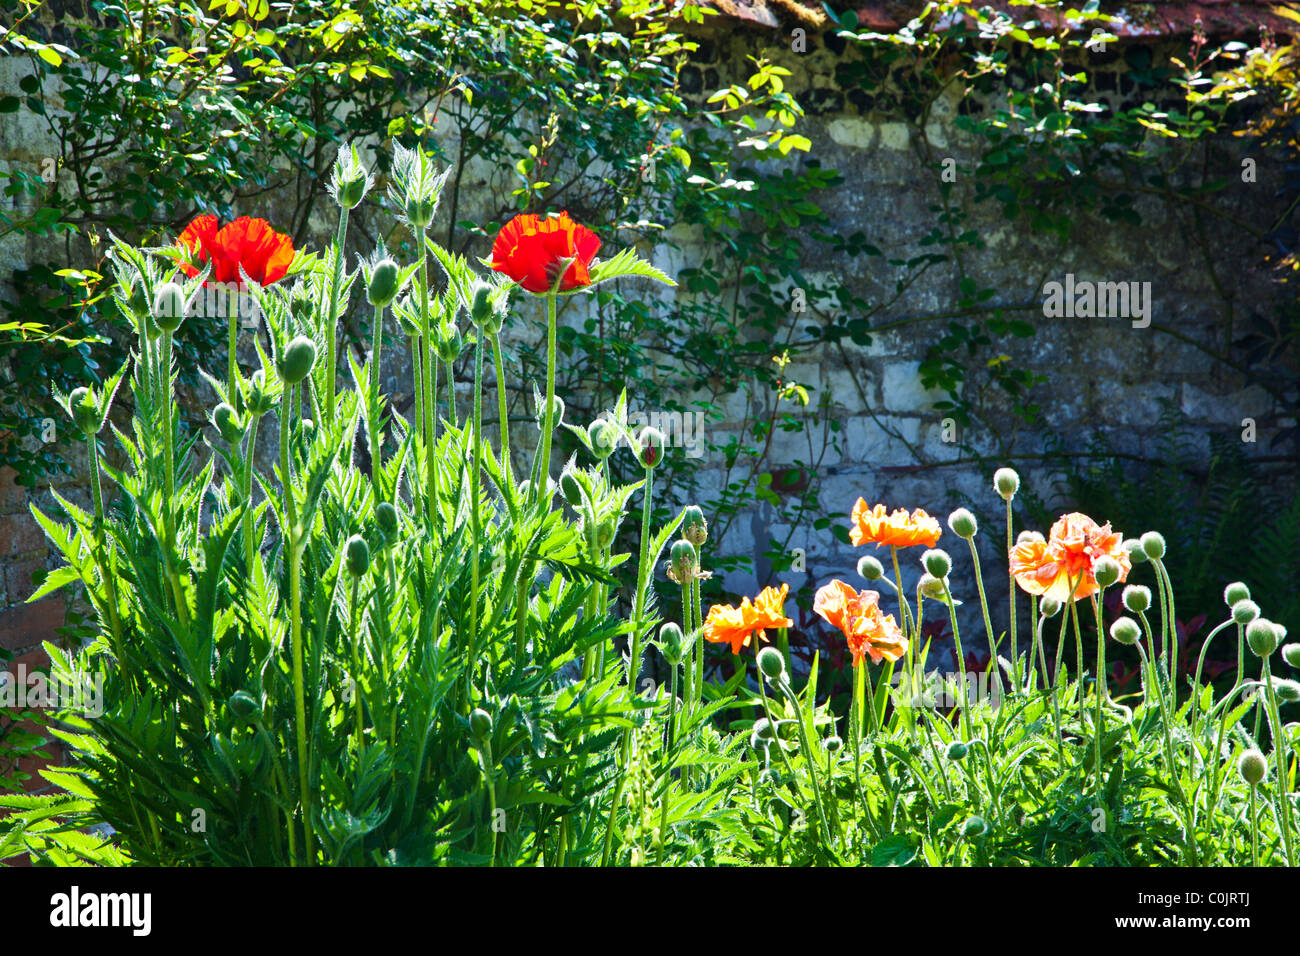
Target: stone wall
1105,377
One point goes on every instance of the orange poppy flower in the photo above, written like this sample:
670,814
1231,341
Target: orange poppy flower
531,250
899,529
1050,566
252,244
726,624
858,616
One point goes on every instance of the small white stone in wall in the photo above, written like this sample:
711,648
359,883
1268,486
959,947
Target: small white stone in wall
852,131
902,391
896,136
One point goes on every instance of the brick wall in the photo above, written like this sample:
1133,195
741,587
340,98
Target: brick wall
23,627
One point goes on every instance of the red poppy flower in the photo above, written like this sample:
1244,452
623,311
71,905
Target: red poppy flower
532,250
263,253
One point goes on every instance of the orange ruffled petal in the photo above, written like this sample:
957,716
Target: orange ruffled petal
726,624
1063,566
897,529
858,616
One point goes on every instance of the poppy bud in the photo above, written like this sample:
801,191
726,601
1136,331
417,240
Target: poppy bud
694,528
480,308
1261,637
85,413
670,643
684,560
571,488
1252,766
1245,611
1234,592
358,556
228,424
1136,554
604,438
245,707
957,750
1153,543
351,180
1006,482
963,524
1288,691
169,307
419,212
383,283
1137,598
259,400
1125,630
771,663
351,193
386,518
557,414
974,827
833,744
1049,607
1106,571
605,533
300,306
652,447
932,587
450,343
480,723
139,300
937,562
299,356
870,568
1291,654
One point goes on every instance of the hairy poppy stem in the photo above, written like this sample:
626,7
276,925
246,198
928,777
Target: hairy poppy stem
548,423
1100,687
994,666
376,433
961,659
417,384
1170,621
232,358
169,479
1011,591
1200,664
643,574
331,328
294,555
502,405
428,396
474,514
1281,800
356,663
784,686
